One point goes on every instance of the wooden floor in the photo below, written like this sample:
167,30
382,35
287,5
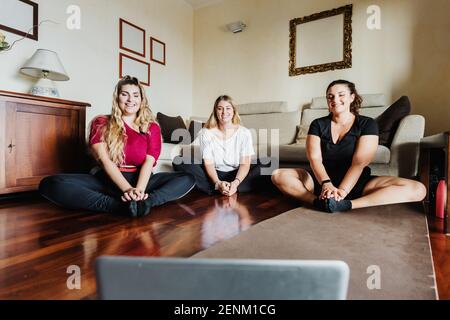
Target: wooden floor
440,247
39,241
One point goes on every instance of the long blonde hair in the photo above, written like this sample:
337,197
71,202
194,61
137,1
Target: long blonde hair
213,120
114,134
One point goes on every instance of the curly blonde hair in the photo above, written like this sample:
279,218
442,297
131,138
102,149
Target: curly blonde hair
114,134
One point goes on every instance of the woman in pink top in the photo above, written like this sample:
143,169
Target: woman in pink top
126,144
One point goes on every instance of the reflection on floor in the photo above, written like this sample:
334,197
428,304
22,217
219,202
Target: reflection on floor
40,243
225,220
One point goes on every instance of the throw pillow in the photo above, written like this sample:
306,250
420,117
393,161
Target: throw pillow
194,129
389,120
168,126
301,134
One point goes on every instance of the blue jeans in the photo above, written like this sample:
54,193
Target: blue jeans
98,193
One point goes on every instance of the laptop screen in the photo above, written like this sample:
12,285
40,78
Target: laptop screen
142,278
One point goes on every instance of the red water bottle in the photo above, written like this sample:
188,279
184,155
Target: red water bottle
441,198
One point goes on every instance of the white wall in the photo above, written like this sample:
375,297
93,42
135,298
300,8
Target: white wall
91,55
408,56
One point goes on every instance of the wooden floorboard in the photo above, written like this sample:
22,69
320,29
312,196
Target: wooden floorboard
440,247
39,241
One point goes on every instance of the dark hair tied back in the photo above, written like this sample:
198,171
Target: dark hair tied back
356,104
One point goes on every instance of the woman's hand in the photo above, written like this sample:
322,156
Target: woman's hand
224,187
328,191
340,194
134,194
233,188
141,195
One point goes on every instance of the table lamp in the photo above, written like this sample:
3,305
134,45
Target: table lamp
45,65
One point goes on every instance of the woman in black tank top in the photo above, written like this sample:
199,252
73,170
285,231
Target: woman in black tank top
340,147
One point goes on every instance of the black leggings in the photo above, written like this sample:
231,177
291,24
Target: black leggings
98,192
254,181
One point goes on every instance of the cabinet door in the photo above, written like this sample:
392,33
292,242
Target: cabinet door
40,141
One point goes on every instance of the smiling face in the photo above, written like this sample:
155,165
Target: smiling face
224,112
129,99
339,99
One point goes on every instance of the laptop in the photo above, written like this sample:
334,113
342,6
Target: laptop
143,278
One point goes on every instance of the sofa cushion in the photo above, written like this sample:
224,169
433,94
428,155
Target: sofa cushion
293,153
389,120
285,122
194,129
309,115
372,112
302,132
297,153
369,100
383,155
169,125
373,105
169,151
262,107
191,153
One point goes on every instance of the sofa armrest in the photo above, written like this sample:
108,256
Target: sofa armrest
405,146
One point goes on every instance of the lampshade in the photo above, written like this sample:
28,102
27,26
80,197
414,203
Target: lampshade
45,61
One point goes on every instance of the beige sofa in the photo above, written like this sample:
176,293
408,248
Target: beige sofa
275,128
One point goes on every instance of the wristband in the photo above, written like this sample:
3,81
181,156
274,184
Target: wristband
238,180
325,181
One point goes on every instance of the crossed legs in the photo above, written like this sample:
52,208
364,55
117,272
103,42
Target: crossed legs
387,190
255,179
296,183
384,190
98,193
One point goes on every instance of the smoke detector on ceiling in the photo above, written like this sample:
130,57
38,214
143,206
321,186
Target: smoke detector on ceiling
236,27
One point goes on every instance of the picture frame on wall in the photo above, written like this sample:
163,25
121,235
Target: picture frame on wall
131,38
131,66
157,51
305,46
20,17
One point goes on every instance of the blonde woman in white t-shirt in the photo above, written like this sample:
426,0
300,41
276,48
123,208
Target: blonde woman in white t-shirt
226,149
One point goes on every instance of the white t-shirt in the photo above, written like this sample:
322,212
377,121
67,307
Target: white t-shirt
226,153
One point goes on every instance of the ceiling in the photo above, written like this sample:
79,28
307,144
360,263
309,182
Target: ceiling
197,4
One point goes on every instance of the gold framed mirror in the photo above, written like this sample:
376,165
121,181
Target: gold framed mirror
321,41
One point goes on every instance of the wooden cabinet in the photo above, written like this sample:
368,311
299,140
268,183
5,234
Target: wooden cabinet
39,136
